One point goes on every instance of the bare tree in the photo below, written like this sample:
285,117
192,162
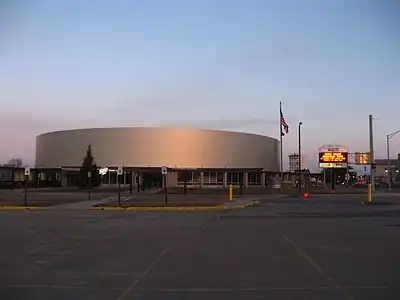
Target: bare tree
15,162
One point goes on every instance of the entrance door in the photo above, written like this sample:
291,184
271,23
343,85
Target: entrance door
151,180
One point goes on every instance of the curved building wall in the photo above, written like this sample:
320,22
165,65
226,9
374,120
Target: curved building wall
156,147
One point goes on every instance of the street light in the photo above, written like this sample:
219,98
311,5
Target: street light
300,123
371,152
388,138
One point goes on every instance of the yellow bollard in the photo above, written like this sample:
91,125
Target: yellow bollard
230,192
369,193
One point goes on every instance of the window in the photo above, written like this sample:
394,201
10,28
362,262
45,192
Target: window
113,177
182,175
233,178
254,178
220,178
196,178
210,178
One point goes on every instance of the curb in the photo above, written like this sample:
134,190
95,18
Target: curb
20,208
144,208
181,208
187,208
138,208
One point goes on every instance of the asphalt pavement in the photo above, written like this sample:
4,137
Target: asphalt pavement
319,248
46,199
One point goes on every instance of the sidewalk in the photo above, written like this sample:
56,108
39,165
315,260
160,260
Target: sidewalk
88,204
76,206
238,203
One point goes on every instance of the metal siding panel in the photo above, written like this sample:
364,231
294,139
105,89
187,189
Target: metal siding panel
141,146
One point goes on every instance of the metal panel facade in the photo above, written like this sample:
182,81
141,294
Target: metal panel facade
156,147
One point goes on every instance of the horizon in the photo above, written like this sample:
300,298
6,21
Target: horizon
222,65
313,167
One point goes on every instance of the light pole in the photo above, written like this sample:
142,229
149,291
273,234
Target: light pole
371,151
388,138
300,123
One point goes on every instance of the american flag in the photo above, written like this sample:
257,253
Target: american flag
284,125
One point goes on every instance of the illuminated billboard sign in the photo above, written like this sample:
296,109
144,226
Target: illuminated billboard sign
332,165
333,148
362,158
333,157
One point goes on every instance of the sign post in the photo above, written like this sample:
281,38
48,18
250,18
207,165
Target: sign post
89,183
120,171
38,180
241,183
185,183
138,182
27,173
164,171
131,184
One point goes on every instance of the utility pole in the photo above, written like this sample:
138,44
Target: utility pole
388,138
371,152
389,174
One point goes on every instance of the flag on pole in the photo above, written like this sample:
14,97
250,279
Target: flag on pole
284,125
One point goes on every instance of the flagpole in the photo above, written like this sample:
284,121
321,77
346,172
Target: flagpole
281,143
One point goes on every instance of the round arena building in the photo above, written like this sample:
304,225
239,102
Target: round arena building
195,156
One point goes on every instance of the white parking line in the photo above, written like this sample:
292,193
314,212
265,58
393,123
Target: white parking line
126,292
316,267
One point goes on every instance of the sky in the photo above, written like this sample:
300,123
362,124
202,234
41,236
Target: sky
219,64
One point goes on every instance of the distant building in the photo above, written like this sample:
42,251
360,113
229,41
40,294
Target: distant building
382,169
294,162
11,176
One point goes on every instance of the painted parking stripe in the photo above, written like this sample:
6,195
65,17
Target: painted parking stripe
21,208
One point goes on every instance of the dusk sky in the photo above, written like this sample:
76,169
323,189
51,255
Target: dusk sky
220,64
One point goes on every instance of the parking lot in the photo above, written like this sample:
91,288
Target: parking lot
320,248
109,197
